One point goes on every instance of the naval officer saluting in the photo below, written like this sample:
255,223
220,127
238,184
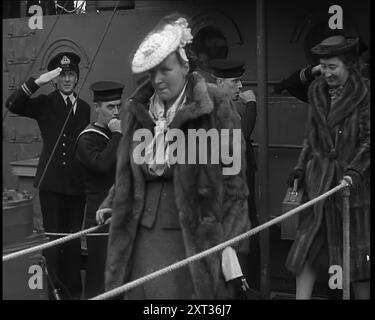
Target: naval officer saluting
96,150
61,189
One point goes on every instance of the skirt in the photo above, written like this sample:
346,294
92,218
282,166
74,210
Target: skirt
154,249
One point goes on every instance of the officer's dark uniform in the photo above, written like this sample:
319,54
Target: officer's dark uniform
297,84
234,69
61,190
96,150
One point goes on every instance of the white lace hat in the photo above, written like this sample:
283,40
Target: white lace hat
158,45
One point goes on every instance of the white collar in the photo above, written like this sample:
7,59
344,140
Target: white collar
71,96
72,99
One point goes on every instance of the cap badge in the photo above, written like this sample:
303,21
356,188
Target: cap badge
65,60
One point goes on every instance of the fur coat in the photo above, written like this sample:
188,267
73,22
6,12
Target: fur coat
337,143
212,207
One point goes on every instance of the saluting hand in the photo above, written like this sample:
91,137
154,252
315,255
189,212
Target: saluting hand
317,70
48,76
114,125
247,96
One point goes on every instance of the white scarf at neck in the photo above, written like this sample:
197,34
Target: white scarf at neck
157,152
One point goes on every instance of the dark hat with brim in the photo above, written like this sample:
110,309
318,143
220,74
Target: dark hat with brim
107,91
335,46
223,68
67,61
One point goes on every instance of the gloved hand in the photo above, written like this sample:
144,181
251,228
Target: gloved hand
114,125
244,294
296,174
316,71
247,96
354,177
48,76
102,215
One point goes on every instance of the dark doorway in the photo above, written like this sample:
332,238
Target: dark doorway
210,43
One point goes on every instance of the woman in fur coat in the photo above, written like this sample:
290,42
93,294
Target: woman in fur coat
337,144
163,212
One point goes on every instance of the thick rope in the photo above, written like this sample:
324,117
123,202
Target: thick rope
178,264
223,245
53,243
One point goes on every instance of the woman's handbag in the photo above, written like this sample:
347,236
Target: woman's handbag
293,199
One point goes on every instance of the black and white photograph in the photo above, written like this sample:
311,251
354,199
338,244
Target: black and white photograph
185,151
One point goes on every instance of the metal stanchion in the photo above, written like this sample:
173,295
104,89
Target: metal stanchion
346,243
262,107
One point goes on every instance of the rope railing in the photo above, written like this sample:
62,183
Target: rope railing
53,243
130,285
119,290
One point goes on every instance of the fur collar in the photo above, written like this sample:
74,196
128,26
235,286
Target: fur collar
354,94
199,102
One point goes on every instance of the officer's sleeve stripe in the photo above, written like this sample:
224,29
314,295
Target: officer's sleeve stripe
26,89
302,75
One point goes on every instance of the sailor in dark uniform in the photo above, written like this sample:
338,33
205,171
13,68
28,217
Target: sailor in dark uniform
228,75
96,150
59,175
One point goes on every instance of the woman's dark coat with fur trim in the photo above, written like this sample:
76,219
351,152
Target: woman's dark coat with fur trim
337,143
212,207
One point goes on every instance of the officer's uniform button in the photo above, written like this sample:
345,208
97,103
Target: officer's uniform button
64,135
64,153
63,144
64,163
